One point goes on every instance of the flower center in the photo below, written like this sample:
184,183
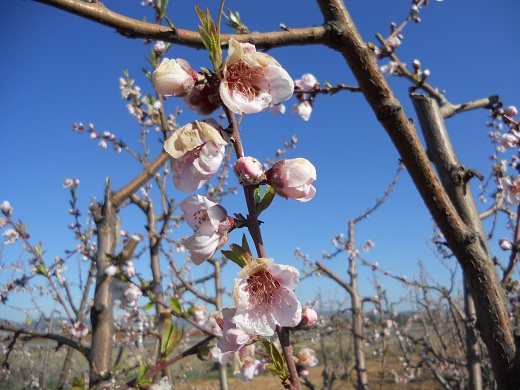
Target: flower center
263,291
244,79
200,216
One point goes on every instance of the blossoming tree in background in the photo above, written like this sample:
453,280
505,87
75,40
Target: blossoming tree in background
266,309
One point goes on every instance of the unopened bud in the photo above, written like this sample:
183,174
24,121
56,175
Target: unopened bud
309,318
6,208
249,171
505,244
511,111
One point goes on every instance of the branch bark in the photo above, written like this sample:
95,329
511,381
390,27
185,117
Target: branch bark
132,28
462,239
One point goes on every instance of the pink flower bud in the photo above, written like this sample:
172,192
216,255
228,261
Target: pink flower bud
309,319
505,244
249,171
292,179
174,77
511,111
393,43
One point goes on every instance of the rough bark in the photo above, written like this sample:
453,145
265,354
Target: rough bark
454,178
492,315
101,315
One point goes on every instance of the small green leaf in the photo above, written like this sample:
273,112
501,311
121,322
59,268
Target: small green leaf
148,306
210,36
171,337
267,199
277,365
78,383
234,258
142,371
176,305
245,245
258,194
240,256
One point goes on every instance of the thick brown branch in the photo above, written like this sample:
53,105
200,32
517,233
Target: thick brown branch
133,28
464,242
121,195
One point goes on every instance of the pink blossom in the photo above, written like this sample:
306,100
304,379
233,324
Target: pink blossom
306,83
505,244
197,166
200,314
390,68
174,77
309,319
264,297
191,136
249,369
511,111
511,190
393,43
129,269
198,148
249,171
509,140
303,109
67,182
128,295
210,224
79,330
159,47
10,236
233,336
292,179
252,81
277,109
111,270
307,357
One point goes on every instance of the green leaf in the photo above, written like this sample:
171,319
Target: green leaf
176,305
258,194
171,337
143,369
277,365
267,199
149,305
210,36
234,258
237,254
245,245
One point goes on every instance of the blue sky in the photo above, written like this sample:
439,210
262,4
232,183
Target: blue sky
57,69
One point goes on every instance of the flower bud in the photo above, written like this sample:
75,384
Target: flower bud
309,318
511,111
174,77
203,98
505,244
292,179
249,171
6,208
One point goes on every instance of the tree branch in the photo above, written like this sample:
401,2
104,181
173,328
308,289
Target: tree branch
133,28
46,335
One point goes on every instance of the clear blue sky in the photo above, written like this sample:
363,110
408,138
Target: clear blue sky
57,69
